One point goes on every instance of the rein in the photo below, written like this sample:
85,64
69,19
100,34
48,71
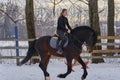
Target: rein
76,38
80,42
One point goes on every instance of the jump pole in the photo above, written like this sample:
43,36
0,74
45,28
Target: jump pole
17,44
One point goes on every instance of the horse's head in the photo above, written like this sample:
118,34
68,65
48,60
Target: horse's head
87,35
91,41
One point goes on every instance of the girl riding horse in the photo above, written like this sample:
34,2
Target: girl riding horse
77,37
63,27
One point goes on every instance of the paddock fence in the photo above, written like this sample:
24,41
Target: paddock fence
106,51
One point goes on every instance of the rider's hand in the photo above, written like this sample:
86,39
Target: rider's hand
69,31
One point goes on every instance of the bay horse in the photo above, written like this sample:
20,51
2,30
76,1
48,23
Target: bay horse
77,37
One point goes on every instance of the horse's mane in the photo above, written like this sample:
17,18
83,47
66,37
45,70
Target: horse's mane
83,28
79,28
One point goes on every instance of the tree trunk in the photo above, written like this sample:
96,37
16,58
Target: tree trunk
29,10
94,23
30,19
110,21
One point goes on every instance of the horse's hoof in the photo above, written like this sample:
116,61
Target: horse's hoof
82,78
19,64
47,78
61,76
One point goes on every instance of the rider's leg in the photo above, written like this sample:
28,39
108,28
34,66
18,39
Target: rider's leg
60,41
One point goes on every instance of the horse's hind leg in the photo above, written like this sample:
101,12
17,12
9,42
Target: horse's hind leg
84,68
43,65
69,68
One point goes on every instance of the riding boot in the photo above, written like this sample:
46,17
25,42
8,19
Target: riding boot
60,47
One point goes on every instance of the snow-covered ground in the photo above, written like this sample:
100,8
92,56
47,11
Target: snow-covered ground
33,72
110,70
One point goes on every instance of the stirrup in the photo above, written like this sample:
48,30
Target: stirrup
59,51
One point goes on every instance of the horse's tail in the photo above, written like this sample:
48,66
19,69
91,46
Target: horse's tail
31,51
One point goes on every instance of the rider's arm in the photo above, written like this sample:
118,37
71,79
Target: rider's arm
68,25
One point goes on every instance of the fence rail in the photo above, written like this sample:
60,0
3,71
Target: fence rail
99,37
94,51
53,57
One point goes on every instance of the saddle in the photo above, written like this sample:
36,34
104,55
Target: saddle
54,39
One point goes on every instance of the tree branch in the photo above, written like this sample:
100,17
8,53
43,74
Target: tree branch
84,2
54,2
14,21
77,7
8,15
58,2
101,11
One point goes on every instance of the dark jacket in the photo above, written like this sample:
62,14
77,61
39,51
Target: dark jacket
62,23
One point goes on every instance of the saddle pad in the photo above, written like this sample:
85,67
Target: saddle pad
53,42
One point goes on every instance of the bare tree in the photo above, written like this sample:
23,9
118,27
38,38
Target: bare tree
29,11
110,20
79,13
10,17
111,14
43,16
55,3
94,23
30,19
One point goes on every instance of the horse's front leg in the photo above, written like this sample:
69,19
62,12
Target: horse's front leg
84,68
69,68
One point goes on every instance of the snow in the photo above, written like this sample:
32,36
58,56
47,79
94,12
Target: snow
110,70
103,71
12,43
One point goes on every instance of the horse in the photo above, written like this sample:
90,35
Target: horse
77,37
